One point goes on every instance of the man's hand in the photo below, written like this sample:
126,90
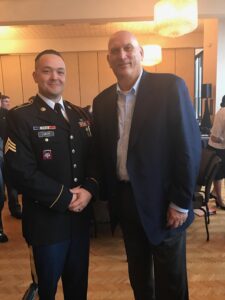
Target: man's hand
80,200
175,218
216,139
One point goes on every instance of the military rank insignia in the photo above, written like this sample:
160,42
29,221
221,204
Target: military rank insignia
10,145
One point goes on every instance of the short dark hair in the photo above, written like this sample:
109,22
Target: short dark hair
222,104
3,97
47,51
31,99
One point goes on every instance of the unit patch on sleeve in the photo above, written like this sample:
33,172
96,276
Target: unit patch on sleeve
47,154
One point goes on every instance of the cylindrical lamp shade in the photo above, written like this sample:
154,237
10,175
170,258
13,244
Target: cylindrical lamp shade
206,90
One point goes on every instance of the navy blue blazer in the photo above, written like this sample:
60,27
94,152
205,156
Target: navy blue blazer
163,154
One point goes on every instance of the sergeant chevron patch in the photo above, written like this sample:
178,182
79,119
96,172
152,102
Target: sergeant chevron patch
10,146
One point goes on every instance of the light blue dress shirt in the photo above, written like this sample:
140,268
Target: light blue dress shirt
125,108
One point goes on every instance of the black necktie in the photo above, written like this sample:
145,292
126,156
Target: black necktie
58,109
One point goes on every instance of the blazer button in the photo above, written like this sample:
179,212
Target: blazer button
74,165
75,179
71,137
73,151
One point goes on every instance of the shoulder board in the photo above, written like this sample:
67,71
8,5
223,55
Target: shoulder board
79,110
22,105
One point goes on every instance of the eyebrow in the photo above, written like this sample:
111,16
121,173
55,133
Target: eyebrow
122,47
51,68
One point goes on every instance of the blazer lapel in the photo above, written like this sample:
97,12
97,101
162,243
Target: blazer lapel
143,108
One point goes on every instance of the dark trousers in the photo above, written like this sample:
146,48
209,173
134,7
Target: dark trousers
68,260
2,194
13,201
155,272
12,193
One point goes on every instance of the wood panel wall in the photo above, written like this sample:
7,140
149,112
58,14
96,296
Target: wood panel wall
72,86
28,84
88,73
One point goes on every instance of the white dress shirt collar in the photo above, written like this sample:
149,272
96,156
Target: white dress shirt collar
134,88
50,102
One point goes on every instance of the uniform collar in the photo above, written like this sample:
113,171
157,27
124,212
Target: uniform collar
50,102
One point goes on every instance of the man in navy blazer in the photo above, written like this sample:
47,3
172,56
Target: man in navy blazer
148,144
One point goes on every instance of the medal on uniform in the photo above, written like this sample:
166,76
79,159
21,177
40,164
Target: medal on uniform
85,124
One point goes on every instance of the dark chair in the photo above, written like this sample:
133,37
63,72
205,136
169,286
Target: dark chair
31,293
209,166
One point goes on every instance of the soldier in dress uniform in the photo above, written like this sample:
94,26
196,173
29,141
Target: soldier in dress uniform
3,113
12,194
47,155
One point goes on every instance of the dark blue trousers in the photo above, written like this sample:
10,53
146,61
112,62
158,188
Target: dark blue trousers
156,272
68,260
2,194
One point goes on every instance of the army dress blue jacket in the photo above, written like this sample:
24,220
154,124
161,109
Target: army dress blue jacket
45,156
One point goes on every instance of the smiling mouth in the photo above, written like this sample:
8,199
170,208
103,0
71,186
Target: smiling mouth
124,65
54,84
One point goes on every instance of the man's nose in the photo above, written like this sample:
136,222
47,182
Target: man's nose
54,75
122,53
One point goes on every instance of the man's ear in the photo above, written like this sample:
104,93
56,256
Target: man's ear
142,52
35,76
108,60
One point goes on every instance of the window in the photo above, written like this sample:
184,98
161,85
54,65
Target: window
198,82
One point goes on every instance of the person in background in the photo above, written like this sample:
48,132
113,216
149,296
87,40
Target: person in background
3,112
47,154
148,144
31,99
5,102
13,201
217,143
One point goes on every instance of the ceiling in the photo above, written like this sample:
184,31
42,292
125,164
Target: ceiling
78,30
52,19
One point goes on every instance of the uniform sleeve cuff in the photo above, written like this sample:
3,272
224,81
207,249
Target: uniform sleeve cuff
91,185
62,200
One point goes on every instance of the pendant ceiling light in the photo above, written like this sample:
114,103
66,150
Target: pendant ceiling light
174,18
152,55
